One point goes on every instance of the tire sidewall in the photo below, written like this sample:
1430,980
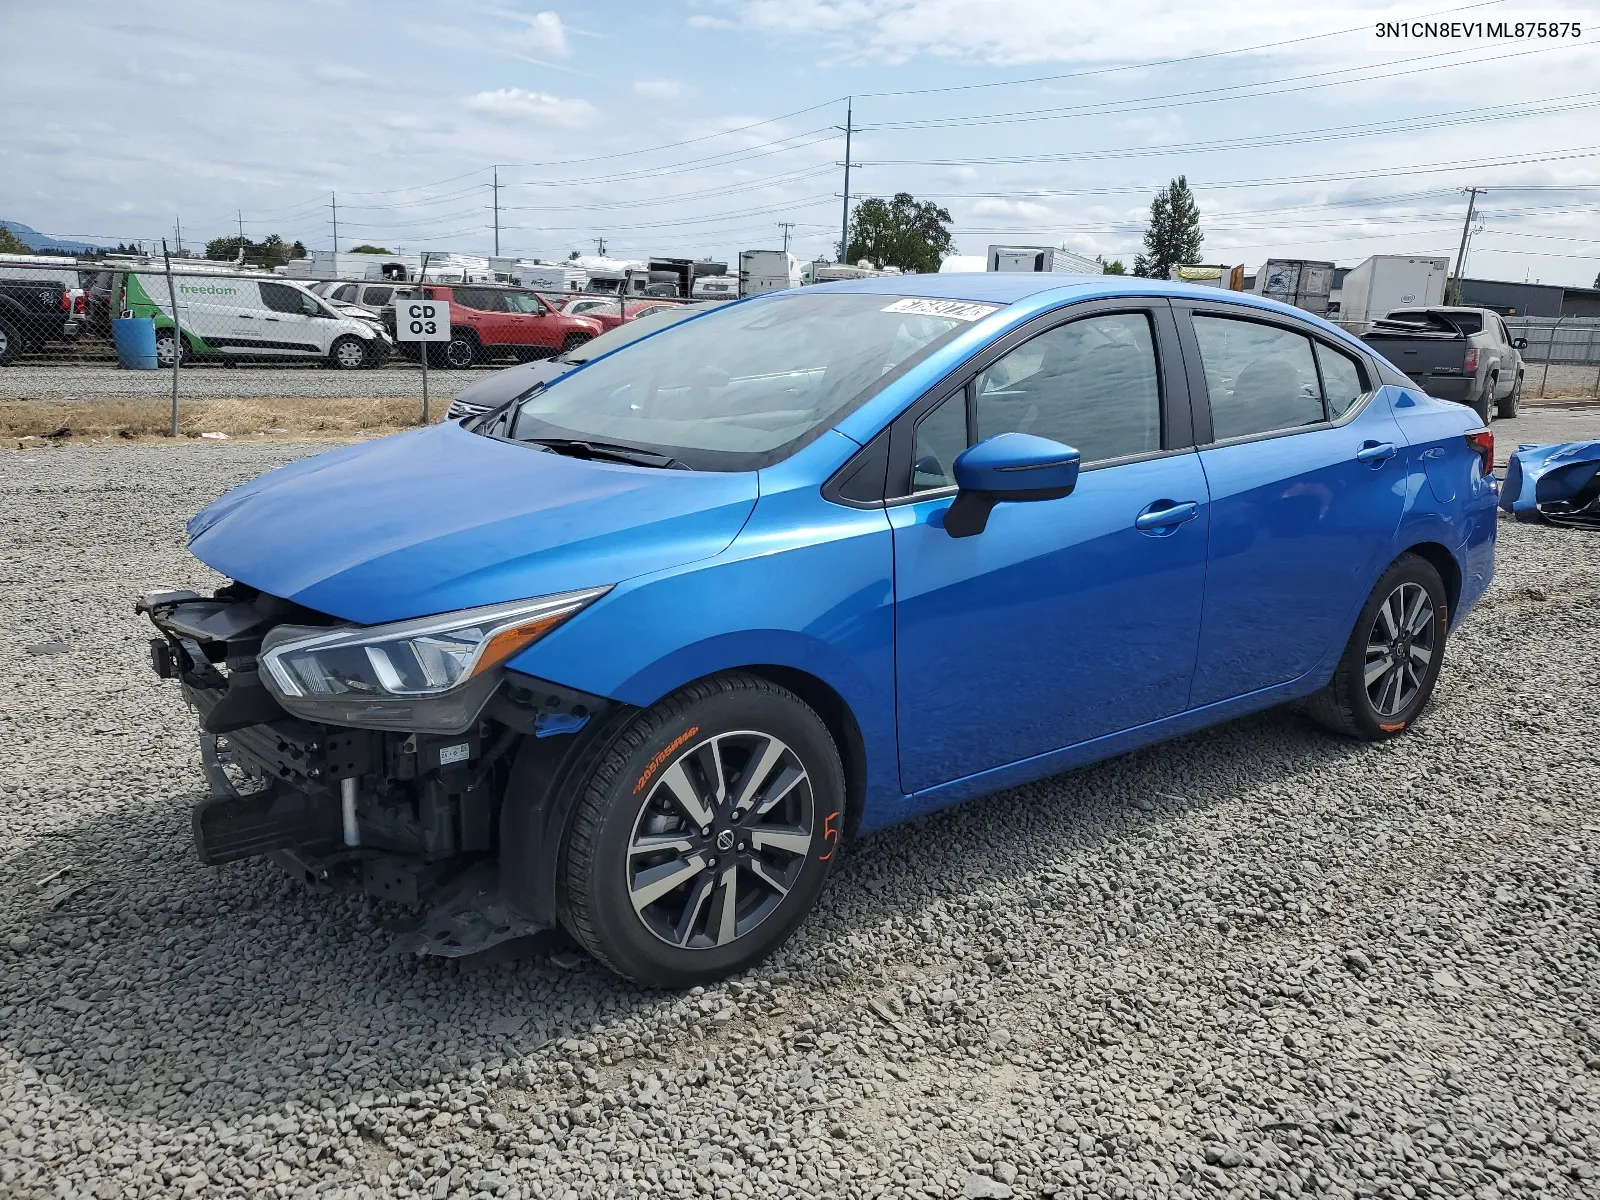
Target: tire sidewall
623,788
1408,569
450,354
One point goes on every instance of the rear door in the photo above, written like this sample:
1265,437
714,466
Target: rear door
1307,480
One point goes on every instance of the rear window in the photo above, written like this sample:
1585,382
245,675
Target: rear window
1466,322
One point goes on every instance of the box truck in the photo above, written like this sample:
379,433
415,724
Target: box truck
1301,282
1040,258
1388,281
767,271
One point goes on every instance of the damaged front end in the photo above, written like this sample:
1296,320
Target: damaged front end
381,758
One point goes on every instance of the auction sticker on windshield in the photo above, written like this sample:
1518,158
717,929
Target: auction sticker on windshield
959,310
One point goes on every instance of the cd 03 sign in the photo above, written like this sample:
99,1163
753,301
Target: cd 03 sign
422,321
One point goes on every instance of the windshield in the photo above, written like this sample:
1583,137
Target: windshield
746,385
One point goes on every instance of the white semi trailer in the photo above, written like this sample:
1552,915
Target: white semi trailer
1388,281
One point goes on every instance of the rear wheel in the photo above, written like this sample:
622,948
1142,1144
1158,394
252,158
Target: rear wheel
1509,406
705,835
460,352
348,354
1391,663
1485,405
10,343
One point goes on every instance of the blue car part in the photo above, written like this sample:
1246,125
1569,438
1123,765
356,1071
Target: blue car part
1559,484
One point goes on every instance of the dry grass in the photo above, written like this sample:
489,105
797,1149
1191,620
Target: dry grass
292,416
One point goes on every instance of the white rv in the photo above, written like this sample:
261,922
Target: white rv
1040,258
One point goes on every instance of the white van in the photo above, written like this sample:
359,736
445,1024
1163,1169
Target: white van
239,316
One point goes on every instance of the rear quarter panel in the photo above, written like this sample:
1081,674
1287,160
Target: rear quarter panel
1448,500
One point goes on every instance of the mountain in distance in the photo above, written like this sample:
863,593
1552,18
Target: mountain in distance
45,245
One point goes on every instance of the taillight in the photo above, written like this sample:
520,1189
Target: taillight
80,304
1481,443
1470,363
66,302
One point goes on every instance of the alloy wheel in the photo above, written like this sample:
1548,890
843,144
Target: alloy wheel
1400,649
721,839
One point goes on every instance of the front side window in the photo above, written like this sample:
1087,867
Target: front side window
345,292
523,302
280,297
1091,384
941,435
1261,378
741,387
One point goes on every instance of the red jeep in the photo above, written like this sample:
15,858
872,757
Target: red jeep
488,322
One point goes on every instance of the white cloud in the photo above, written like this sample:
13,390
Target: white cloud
658,89
702,21
541,32
521,104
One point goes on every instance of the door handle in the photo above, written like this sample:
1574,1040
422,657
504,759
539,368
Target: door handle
246,317
1375,452
1166,517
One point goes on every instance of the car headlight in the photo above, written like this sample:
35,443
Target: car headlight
430,674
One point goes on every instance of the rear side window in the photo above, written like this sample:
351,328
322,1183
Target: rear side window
1341,380
1261,379
1090,384
482,299
347,292
379,296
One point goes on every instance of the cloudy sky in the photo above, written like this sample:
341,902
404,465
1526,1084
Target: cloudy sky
695,127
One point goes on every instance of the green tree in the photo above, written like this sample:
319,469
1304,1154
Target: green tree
1173,238
1114,267
270,251
226,249
572,256
10,243
911,234
366,248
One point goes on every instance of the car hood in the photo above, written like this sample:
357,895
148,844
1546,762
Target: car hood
494,390
441,519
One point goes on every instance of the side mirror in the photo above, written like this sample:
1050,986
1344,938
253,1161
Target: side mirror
1519,343
1009,466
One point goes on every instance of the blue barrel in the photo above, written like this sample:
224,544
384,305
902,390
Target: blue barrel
136,343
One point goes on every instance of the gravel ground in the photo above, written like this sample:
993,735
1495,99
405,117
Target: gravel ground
1257,961
90,382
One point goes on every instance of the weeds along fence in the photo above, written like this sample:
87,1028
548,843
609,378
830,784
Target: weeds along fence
64,313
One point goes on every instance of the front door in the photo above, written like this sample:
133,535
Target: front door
293,321
1064,620
1307,480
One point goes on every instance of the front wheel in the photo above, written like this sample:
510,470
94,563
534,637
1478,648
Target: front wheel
348,354
705,835
1391,663
10,343
573,341
167,345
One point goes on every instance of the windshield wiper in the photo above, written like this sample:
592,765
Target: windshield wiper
574,448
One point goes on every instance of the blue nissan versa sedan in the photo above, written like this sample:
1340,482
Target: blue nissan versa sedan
637,652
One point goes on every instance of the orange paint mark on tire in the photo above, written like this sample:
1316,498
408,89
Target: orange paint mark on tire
654,764
1392,728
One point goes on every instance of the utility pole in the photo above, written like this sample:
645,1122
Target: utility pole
786,226
1466,230
844,222
497,212
600,247
334,196
177,235
241,229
